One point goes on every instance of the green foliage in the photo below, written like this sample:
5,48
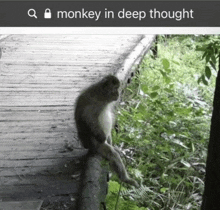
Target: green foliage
164,123
211,54
123,204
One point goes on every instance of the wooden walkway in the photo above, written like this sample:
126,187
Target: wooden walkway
40,78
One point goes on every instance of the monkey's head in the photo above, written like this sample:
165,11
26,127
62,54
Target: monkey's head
109,88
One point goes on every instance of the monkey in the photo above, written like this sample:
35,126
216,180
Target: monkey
94,119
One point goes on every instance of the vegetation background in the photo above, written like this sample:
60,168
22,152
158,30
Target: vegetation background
164,124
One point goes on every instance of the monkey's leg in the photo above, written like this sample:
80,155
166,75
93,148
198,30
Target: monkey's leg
108,152
90,119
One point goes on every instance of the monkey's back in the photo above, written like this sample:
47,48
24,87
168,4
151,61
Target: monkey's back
87,111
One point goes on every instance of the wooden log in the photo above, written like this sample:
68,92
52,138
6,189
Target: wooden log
94,186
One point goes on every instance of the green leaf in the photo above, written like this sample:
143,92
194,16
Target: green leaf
177,63
185,163
153,95
212,64
163,73
167,80
156,87
168,90
199,80
168,70
142,109
166,63
208,72
113,186
203,56
177,141
164,189
200,48
183,111
213,59
170,113
208,58
171,86
144,88
204,80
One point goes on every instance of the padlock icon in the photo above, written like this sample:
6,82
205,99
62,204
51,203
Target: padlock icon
47,14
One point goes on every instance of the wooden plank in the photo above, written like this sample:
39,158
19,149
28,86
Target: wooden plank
44,154
21,205
22,172
37,108
26,167
24,113
34,136
33,162
42,145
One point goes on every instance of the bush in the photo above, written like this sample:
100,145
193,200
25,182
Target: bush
164,123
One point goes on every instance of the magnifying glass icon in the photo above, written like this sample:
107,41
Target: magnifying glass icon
32,13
